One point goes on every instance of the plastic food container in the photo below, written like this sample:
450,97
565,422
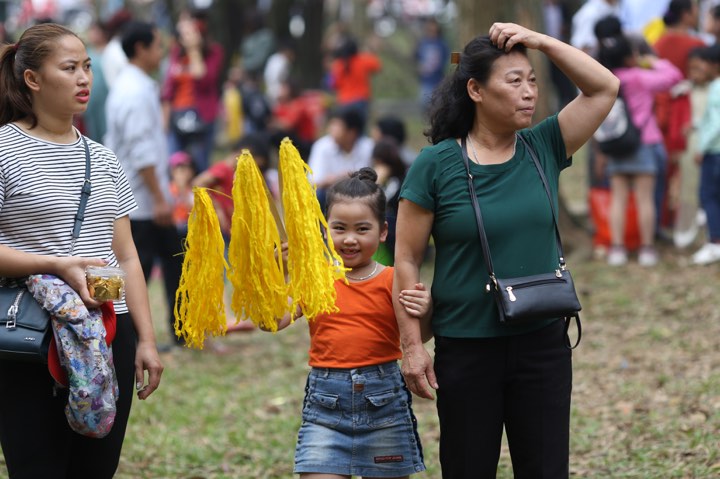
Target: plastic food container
106,283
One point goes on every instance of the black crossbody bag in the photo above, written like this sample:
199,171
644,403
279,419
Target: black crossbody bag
529,298
25,330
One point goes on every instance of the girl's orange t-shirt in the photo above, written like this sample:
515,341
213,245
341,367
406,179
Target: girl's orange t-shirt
364,331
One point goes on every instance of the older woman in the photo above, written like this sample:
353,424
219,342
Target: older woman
489,374
45,79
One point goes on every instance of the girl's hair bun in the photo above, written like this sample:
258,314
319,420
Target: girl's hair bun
365,174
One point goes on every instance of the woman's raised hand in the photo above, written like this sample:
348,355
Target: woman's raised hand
507,35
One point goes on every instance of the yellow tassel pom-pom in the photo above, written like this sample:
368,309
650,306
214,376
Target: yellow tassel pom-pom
199,306
256,268
313,264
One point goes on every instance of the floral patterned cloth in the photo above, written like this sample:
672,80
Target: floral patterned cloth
84,353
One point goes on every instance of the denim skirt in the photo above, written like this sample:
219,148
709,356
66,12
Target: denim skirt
358,422
647,160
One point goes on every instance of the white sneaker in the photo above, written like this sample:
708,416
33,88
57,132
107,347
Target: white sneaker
647,256
709,253
685,238
617,256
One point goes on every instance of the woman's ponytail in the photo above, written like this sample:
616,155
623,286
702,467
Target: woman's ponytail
14,96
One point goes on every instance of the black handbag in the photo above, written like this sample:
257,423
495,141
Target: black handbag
25,330
187,122
529,298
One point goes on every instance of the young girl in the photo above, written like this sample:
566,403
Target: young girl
701,69
357,414
641,78
182,172
388,164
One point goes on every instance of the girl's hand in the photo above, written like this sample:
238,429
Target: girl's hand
507,35
284,252
147,359
72,270
417,302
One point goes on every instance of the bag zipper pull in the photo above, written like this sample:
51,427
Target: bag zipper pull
510,293
13,310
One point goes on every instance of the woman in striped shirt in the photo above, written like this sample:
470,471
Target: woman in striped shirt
45,79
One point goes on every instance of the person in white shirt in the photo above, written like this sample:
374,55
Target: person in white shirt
636,14
584,20
342,150
113,58
135,132
277,70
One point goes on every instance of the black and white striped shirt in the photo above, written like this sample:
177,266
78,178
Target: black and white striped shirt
40,184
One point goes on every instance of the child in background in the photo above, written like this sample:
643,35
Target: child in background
390,169
709,158
357,417
182,172
641,78
701,71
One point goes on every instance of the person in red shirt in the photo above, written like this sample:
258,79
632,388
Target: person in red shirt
219,177
293,116
357,416
350,75
190,91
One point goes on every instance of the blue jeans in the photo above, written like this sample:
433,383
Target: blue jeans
710,193
358,422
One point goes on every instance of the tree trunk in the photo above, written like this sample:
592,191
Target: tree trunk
308,66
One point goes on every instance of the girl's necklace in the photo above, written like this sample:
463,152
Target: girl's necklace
363,278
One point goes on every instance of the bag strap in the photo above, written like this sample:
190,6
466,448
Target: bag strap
558,239
629,113
84,196
478,214
483,236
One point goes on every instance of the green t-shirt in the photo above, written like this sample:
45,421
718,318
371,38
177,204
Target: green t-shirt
517,219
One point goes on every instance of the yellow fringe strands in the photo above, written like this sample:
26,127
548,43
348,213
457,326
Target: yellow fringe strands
199,306
256,266
313,264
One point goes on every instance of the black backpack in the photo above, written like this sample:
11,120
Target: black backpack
617,135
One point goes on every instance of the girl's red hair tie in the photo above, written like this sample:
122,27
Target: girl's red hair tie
455,58
14,47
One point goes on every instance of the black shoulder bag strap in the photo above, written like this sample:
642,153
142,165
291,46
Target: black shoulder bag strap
483,236
84,196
